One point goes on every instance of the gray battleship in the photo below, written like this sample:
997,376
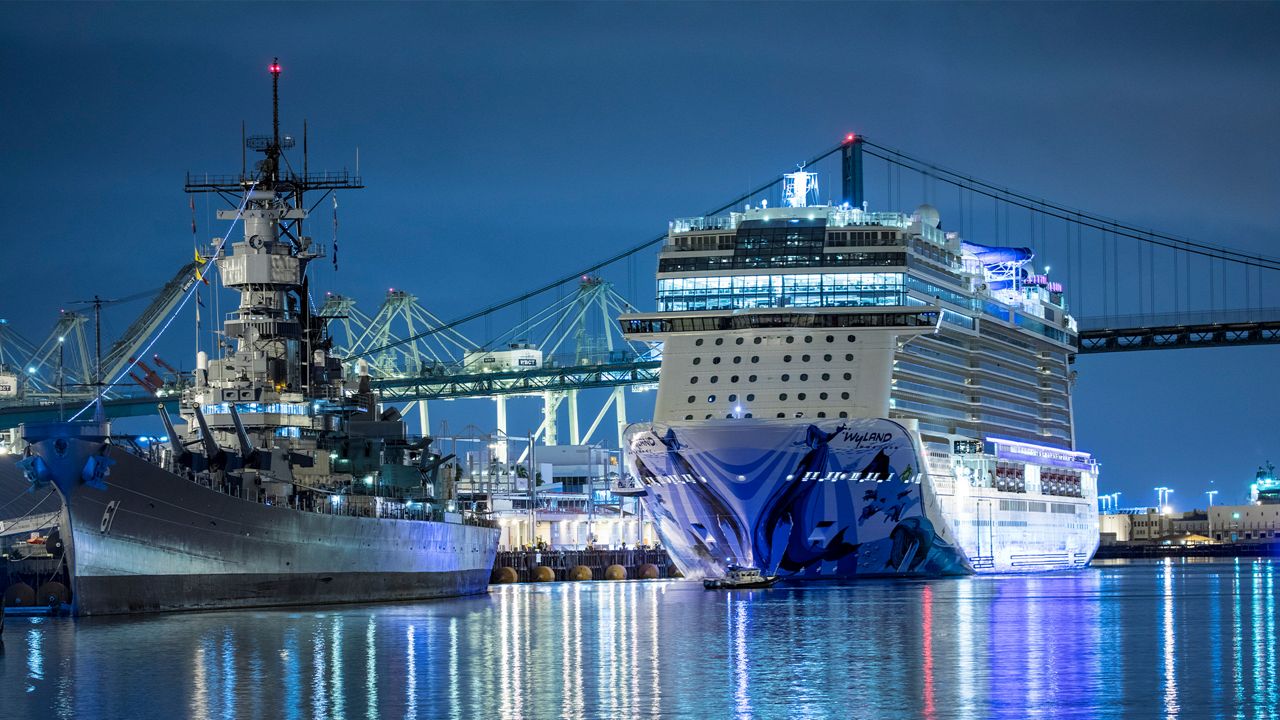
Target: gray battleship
287,485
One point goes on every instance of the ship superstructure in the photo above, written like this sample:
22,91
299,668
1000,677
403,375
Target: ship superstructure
847,392
286,485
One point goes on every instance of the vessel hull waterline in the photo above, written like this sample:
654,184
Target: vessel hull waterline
142,539
834,499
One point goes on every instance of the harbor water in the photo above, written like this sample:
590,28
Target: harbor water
1138,639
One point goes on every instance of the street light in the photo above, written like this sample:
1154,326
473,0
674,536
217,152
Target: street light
1211,493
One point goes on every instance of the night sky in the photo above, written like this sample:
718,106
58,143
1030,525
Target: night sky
506,145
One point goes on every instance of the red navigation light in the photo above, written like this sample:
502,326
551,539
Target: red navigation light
850,137
275,68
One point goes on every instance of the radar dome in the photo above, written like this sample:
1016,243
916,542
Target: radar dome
929,215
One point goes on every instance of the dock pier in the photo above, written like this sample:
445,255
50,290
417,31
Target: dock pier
512,566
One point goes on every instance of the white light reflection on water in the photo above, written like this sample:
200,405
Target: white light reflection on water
655,675
200,683
411,676
1273,691
336,676
1170,679
319,654
454,691
633,647
371,669
1237,636
579,641
738,633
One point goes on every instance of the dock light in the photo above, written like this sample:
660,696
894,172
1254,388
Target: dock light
61,339
368,479
164,438
31,371
335,499
333,456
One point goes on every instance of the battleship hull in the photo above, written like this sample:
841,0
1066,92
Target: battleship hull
142,539
839,499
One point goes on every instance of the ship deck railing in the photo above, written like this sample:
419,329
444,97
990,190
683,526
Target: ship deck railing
320,503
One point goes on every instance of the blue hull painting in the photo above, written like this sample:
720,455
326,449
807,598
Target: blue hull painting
803,499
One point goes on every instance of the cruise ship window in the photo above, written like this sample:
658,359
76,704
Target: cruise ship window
831,338
738,341
708,417
786,358
782,396
822,396
848,356
737,359
693,398
719,341
751,378
826,376
756,341
790,339
711,398
733,398
848,376
800,396
827,357
693,380
822,414
808,338
844,396
852,338
785,377
782,414
799,414
750,397
733,379
698,342
844,414
715,361
715,379
804,358
688,417
755,358
804,377
697,361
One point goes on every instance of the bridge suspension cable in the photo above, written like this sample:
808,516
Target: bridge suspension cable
490,309
1074,215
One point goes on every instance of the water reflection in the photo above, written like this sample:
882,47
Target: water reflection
1166,602
1174,640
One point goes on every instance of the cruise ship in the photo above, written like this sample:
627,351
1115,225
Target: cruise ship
851,393
287,484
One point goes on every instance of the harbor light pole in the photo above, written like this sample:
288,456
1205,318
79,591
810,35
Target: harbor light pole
1211,493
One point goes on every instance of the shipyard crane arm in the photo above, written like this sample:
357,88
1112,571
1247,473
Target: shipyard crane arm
120,352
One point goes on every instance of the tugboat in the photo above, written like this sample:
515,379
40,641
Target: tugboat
288,485
740,578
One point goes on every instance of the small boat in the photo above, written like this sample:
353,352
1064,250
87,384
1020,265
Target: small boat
740,578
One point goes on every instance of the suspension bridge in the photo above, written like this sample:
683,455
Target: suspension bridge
1130,289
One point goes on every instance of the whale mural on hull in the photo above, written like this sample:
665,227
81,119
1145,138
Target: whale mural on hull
814,499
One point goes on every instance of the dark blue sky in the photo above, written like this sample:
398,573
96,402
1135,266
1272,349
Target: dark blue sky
503,145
